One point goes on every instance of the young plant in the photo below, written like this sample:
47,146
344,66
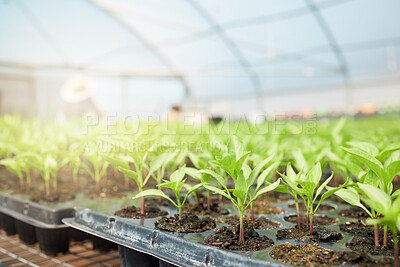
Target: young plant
176,183
352,196
98,168
290,186
16,167
390,210
243,177
309,188
141,172
159,164
382,167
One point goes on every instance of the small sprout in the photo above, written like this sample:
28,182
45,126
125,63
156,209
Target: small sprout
243,177
176,183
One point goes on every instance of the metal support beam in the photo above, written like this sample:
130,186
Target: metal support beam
237,53
337,51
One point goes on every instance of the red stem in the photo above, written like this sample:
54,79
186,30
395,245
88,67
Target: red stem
376,236
142,205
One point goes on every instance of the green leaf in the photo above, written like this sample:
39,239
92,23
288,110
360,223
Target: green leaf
193,189
240,187
50,163
218,191
374,164
376,198
392,170
177,175
169,184
154,193
129,173
387,152
371,178
314,175
261,179
322,186
246,171
238,146
301,163
221,181
194,173
263,164
266,189
351,196
366,147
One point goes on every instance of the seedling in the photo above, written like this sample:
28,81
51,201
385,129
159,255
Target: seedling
175,183
352,196
310,188
98,168
382,167
390,210
243,177
290,186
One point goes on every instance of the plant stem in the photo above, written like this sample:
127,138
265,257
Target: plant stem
180,212
307,219
376,234
396,248
298,214
142,205
385,232
241,227
311,224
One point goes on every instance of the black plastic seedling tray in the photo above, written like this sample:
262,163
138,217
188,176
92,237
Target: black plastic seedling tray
140,243
35,223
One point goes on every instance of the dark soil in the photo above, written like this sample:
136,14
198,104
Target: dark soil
273,197
260,223
261,207
303,234
313,255
227,237
317,220
322,207
365,241
354,212
188,224
201,209
134,213
367,245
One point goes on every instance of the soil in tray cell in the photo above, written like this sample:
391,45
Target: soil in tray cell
317,220
313,255
188,224
134,213
364,240
227,237
201,209
319,235
260,223
354,212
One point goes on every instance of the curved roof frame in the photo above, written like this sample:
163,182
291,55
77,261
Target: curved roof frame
148,44
246,66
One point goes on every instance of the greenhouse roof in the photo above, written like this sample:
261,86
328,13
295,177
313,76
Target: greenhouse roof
215,48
